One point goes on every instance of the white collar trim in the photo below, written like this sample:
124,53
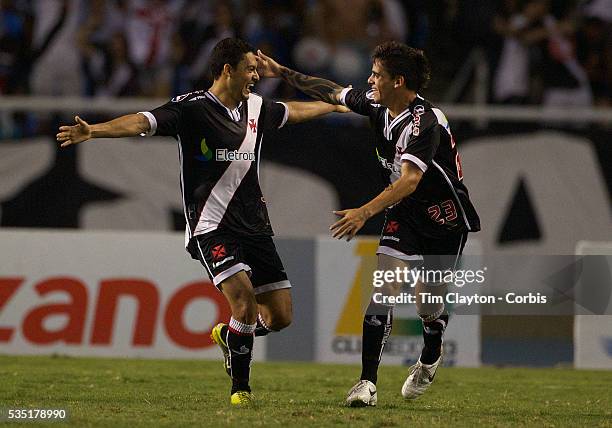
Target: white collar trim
233,114
390,125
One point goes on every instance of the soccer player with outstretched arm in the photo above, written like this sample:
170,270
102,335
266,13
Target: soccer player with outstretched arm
219,133
427,207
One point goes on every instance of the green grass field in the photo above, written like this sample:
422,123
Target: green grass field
120,392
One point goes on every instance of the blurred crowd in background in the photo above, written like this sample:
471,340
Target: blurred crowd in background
551,52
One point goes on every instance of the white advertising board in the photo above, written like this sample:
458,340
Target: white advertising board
106,294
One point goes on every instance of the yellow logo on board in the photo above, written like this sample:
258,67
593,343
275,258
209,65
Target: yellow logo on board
351,318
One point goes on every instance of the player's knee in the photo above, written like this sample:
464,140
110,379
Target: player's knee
280,321
244,313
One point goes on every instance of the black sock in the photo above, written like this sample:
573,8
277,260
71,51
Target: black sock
240,343
376,331
432,336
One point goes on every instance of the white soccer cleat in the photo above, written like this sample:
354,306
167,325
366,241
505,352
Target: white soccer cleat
362,394
419,379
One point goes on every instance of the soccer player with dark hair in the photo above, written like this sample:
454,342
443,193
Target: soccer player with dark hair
427,207
219,133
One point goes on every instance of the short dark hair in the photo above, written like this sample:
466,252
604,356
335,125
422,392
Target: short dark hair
402,60
228,51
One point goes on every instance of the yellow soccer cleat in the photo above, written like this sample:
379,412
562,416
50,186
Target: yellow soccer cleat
217,337
242,398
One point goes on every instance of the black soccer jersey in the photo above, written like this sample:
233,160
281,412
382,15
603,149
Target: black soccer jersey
219,153
420,134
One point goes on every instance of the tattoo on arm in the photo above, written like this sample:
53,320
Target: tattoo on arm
315,87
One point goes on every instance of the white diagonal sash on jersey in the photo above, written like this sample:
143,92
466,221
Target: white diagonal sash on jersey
224,189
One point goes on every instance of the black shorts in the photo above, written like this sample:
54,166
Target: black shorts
402,240
224,254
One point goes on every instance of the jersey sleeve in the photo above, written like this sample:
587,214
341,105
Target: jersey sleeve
358,100
276,112
423,140
165,120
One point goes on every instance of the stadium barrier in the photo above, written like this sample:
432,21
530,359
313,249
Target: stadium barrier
479,113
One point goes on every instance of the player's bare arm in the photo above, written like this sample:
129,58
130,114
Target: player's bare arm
302,111
315,87
353,219
130,125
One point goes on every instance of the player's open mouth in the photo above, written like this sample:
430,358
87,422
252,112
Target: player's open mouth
250,87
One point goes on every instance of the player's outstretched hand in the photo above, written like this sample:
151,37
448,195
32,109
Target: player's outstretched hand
74,134
266,66
352,220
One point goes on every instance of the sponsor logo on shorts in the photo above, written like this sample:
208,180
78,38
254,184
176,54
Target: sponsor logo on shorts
392,227
218,252
227,259
391,238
